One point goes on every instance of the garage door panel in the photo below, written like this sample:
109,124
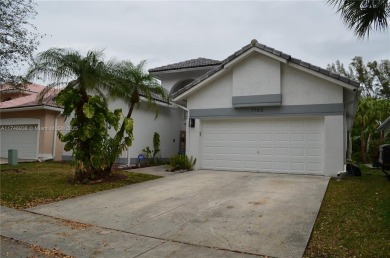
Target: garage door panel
282,125
220,150
208,164
250,157
266,137
297,125
281,151
236,165
208,137
289,145
220,144
266,165
297,166
249,165
252,137
313,152
282,166
265,151
25,141
235,151
235,157
315,125
297,151
297,137
313,167
264,124
281,137
314,137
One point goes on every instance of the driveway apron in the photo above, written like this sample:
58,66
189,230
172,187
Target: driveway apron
254,213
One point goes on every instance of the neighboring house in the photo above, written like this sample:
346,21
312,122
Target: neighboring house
31,126
385,126
28,125
263,110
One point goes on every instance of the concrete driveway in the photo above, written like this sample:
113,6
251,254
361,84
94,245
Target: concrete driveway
248,213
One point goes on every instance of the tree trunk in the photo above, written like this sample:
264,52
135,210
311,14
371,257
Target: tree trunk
368,143
349,150
363,146
85,146
119,135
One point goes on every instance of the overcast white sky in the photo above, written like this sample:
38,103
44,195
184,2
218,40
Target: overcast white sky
165,32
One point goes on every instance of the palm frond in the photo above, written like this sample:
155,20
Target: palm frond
363,16
133,82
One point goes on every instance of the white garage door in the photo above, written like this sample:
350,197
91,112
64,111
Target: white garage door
264,145
17,137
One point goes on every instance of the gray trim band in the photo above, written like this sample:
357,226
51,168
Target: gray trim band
118,161
257,100
320,109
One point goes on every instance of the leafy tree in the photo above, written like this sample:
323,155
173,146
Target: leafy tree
363,16
90,142
374,104
374,76
94,149
18,38
381,74
370,114
133,84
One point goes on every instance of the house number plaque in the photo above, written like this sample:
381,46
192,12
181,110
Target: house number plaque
257,109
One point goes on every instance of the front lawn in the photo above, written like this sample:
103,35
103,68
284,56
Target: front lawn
31,184
354,219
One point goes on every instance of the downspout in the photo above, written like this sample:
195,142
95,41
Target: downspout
356,101
128,156
55,135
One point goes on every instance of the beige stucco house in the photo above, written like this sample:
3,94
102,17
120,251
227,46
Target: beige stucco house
28,125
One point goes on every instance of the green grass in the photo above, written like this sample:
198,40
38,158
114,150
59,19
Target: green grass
354,219
31,184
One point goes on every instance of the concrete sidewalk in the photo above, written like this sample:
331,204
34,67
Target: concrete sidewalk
82,240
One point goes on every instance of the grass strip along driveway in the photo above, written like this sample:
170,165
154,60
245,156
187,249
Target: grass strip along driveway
354,219
32,184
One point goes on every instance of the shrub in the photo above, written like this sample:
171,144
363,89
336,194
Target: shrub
374,152
152,155
181,162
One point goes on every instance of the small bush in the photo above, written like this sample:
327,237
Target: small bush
152,155
181,162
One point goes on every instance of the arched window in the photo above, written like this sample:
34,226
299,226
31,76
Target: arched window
180,85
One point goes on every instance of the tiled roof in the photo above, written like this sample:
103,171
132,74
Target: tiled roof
32,91
192,63
277,53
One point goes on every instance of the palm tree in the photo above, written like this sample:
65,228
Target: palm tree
363,16
81,75
133,84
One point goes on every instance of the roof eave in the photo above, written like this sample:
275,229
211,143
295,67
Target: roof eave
277,55
157,74
250,51
185,93
325,77
28,108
